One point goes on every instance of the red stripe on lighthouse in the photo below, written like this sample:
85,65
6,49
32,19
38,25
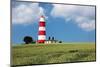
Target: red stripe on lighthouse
42,33
42,24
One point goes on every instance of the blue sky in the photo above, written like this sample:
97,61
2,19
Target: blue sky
69,23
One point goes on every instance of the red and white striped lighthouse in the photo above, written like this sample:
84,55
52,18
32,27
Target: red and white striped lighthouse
42,31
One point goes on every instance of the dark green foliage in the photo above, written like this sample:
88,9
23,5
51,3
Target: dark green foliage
33,42
49,38
72,51
28,39
53,38
60,41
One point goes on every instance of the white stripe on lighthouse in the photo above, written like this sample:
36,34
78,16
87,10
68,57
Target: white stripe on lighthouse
41,28
41,37
42,19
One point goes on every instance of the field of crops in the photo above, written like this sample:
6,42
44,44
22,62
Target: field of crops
52,53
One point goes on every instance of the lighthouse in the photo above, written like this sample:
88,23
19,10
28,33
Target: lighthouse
42,30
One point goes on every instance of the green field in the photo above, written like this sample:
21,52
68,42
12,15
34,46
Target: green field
52,53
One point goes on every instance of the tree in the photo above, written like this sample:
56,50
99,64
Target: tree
60,41
49,38
28,39
52,38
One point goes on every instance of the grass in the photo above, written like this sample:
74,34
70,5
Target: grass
52,53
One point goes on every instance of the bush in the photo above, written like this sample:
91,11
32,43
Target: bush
33,42
60,41
28,39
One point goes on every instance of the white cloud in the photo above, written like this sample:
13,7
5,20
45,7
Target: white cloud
85,23
26,13
88,26
84,16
